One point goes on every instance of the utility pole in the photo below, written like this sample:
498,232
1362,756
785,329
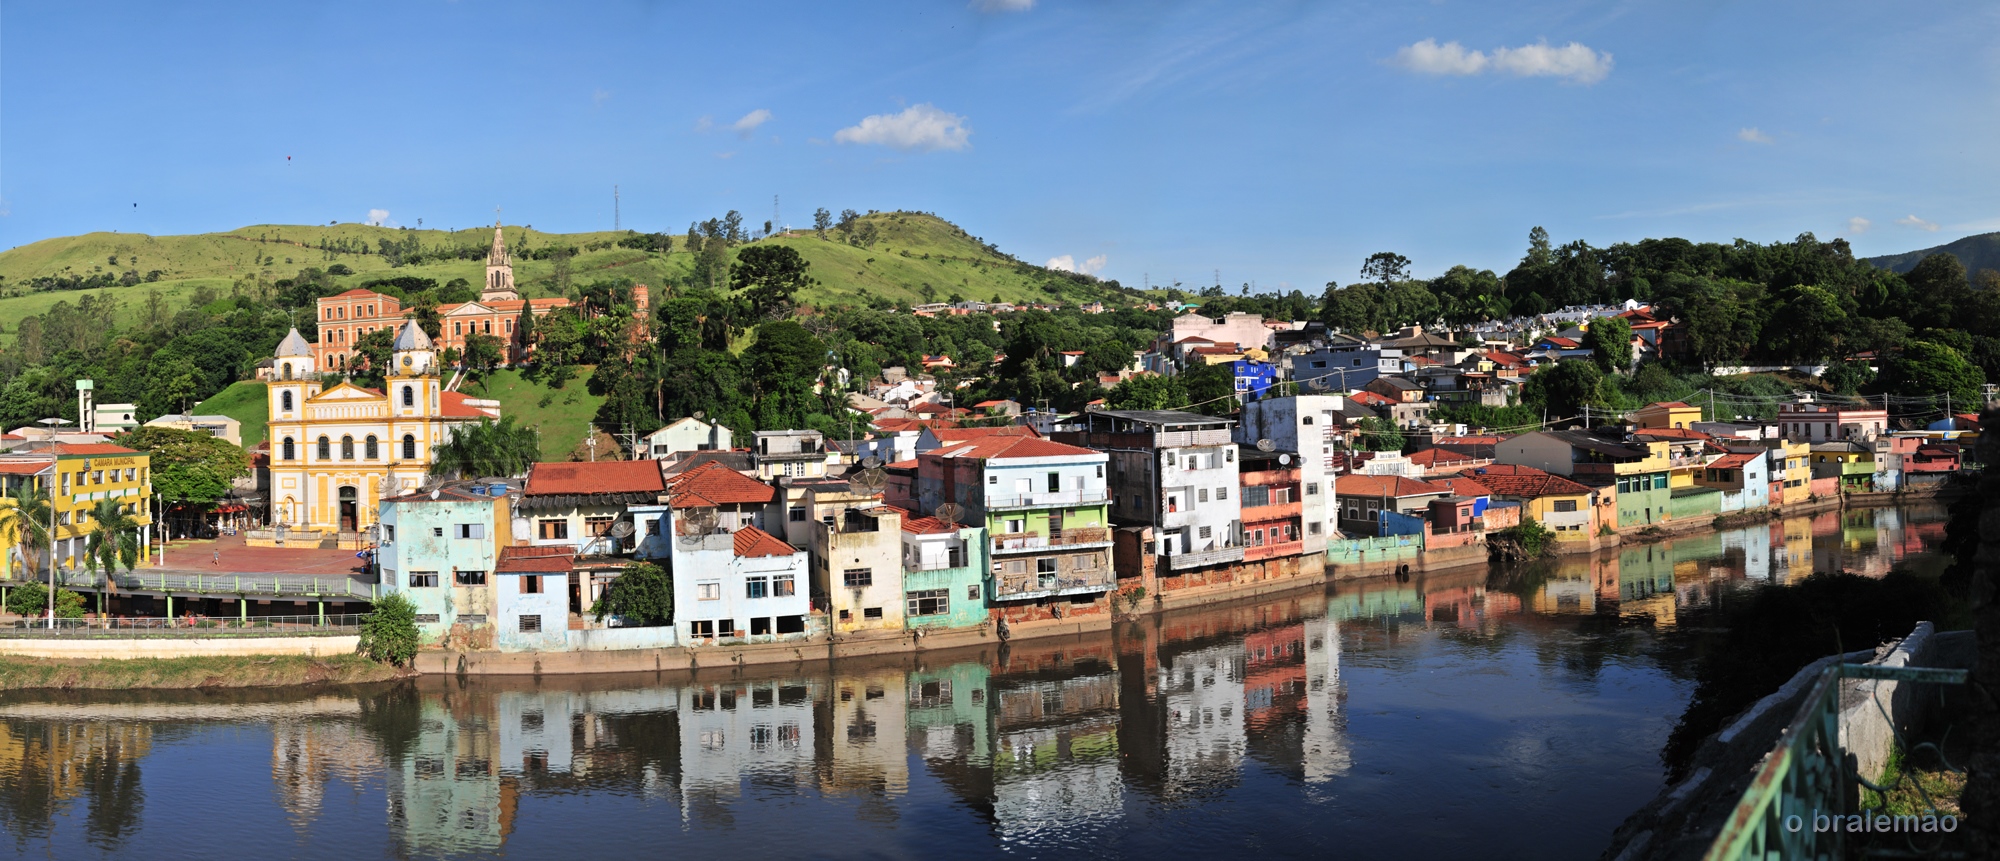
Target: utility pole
777,220
616,222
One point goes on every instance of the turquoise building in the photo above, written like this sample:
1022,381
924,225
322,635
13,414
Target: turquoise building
439,548
944,574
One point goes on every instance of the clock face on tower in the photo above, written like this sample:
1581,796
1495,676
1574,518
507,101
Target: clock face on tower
406,361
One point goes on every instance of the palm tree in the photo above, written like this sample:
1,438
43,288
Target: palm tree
488,448
24,523
114,540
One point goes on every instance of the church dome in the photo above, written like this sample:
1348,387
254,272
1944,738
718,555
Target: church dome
294,344
412,337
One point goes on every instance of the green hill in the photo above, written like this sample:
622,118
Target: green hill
243,401
1977,252
910,252
562,415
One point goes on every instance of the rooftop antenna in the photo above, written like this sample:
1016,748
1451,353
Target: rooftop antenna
615,222
777,221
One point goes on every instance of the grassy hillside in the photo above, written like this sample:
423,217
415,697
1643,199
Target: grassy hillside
911,250
1976,252
562,415
243,401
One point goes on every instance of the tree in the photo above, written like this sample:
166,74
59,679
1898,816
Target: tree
1563,389
769,276
427,318
113,539
1610,342
32,599
643,594
170,386
1378,434
1211,389
1147,392
561,271
189,466
482,354
24,524
1930,368
488,448
1814,324
390,633
524,331
784,364
1385,268
821,221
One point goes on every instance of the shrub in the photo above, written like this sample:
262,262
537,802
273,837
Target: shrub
390,633
28,599
643,594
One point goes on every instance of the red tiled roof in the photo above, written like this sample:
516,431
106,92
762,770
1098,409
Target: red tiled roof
1733,461
1010,446
1671,433
1502,357
952,435
22,467
1526,482
1476,439
604,476
1462,486
1560,341
1384,485
1432,456
752,542
714,484
1669,405
902,464
358,291
92,448
452,405
1370,399
523,559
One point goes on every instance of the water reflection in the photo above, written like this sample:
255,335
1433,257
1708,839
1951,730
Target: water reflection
1452,707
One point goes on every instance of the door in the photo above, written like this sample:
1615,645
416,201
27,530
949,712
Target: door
350,510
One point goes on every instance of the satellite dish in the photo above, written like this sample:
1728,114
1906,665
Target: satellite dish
393,486
1266,445
1284,460
697,522
949,513
871,462
867,481
621,529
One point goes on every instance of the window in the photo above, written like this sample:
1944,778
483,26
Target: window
1221,493
1100,470
1055,482
971,592
371,449
1256,495
469,578
552,530
1045,566
457,328
1306,419
597,526
993,480
97,476
702,629
472,530
65,483
409,396
409,446
423,579
1313,527
1087,562
388,533
782,586
531,584
1017,525
325,447
1205,532
288,450
653,526
531,624
347,448
858,577
708,591
286,398
871,613
1201,495
437,532
757,587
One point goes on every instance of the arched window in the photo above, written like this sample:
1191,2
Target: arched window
288,370
286,398
409,396
487,327
325,448
290,451
409,447
370,448
347,448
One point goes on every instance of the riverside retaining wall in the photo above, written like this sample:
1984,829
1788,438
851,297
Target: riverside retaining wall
176,647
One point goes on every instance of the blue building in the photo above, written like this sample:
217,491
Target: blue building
1253,378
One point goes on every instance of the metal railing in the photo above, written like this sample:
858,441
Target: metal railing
1806,774
1065,538
291,585
1053,497
1178,561
332,624
1014,586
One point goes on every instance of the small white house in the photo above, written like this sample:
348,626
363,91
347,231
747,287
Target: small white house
688,434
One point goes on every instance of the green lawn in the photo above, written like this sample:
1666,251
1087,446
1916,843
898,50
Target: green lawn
562,415
245,402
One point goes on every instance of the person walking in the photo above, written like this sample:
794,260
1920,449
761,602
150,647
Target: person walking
218,557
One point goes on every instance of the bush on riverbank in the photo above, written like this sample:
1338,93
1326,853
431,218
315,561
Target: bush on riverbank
1782,628
237,671
390,633
32,600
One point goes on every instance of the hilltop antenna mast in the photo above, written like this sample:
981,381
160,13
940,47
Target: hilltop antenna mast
777,220
616,222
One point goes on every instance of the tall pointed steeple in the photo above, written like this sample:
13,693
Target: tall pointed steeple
499,271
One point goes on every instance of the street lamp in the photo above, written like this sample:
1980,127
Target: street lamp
55,425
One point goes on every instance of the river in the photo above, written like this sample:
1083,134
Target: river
1436,718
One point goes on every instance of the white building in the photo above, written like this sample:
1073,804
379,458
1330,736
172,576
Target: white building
688,434
1173,471
1304,425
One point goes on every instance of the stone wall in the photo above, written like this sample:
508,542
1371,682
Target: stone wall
177,647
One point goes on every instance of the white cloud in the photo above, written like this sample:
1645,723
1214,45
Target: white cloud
1574,62
704,125
380,218
1752,135
919,127
1918,223
1067,263
1003,5
750,121
1858,225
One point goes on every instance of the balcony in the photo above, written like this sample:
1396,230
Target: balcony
1050,499
1017,587
1083,537
1202,559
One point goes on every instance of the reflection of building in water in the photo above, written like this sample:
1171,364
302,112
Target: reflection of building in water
1202,692
870,711
735,731
1055,764
307,754
1325,752
1274,696
448,795
1565,593
47,764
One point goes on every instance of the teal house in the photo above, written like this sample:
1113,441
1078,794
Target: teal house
944,574
439,547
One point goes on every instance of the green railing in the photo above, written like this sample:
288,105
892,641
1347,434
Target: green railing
332,624
1806,776
287,585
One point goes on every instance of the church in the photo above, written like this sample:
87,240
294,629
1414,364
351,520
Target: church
337,450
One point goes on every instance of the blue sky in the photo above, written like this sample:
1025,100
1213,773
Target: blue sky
1279,143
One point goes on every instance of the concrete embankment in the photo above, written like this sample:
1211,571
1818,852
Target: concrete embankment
205,672
125,648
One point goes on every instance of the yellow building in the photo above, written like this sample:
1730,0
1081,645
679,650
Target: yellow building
1668,414
334,449
83,475
1797,470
